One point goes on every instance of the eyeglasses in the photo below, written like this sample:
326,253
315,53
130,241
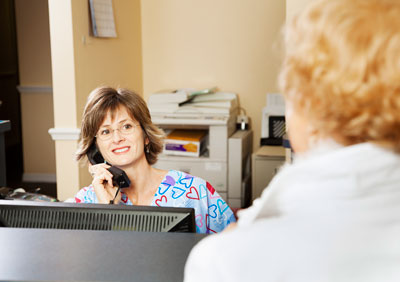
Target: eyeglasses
125,129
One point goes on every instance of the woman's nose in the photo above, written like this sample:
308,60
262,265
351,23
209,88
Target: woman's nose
117,136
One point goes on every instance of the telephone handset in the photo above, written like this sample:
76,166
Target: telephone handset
120,179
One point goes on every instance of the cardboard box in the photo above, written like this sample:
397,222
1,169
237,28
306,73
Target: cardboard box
185,143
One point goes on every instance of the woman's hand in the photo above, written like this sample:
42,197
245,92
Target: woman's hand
232,226
102,184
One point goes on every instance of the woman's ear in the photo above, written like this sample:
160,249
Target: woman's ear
145,137
146,145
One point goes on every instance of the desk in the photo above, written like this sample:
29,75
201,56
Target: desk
66,255
4,126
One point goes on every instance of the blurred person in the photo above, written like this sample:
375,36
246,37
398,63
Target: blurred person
334,214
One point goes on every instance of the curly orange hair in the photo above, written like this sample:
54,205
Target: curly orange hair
342,69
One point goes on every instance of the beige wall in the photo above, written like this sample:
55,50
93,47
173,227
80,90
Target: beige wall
225,43
295,6
106,61
35,72
33,42
39,150
80,63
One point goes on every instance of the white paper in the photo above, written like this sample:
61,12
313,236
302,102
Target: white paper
102,18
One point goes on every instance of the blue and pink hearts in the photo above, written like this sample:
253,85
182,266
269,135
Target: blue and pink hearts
212,211
222,206
203,191
124,197
193,194
187,181
215,196
163,199
199,220
168,182
177,192
209,230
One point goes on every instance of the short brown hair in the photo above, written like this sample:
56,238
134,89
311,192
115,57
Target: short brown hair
342,69
106,99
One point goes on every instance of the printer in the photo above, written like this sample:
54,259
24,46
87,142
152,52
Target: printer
273,126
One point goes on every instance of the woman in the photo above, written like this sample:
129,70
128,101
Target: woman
334,214
118,123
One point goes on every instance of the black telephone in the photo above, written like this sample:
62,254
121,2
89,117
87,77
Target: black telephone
120,179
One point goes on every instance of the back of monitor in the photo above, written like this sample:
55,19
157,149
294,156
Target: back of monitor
24,214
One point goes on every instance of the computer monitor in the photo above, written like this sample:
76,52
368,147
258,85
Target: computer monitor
57,215
2,222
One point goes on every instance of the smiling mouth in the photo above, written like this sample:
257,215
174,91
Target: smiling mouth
120,150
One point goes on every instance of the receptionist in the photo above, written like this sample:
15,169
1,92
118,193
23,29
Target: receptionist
117,123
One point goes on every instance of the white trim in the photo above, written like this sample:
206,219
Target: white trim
39,177
64,133
34,89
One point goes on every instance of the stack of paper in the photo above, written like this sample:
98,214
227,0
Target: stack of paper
173,97
188,104
218,103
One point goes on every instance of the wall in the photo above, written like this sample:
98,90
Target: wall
80,63
295,6
227,43
106,61
232,44
33,38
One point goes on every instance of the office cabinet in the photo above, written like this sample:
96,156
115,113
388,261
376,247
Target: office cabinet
266,162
